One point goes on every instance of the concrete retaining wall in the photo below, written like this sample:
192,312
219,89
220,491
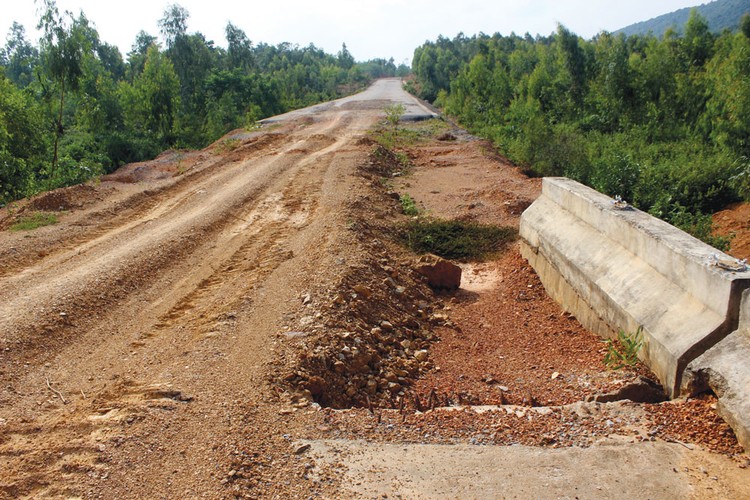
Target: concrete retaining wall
621,269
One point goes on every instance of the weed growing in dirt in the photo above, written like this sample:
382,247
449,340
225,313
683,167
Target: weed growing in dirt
393,160
624,351
456,240
394,113
33,221
408,205
409,134
227,145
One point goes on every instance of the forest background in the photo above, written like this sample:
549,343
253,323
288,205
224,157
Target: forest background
662,122
72,108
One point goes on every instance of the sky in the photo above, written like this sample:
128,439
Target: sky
370,29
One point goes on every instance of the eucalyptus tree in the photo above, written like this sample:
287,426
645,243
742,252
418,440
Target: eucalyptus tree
63,47
20,57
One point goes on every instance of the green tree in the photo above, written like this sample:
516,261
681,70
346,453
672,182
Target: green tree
698,41
239,48
574,62
173,24
345,59
727,115
151,104
745,25
20,56
137,54
63,47
22,141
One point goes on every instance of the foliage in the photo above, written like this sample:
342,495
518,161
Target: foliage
72,107
33,221
664,123
699,225
456,240
408,205
227,145
408,134
624,351
394,113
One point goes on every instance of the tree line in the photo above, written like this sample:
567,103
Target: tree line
663,122
72,107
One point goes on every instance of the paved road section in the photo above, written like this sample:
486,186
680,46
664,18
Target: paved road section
383,93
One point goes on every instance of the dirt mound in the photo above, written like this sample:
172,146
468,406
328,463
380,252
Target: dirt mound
380,315
166,165
735,223
375,343
68,198
382,163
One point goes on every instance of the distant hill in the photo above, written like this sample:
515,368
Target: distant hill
721,14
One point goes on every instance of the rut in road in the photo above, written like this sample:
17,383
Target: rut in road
167,297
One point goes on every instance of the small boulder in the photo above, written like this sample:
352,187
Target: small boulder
421,355
440,273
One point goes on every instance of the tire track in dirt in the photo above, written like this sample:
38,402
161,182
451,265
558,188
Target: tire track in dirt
88,271
133,205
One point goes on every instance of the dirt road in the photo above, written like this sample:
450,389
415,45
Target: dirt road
156,306
142,336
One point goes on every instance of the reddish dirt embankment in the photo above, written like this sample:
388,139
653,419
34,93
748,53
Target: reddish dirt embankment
734,222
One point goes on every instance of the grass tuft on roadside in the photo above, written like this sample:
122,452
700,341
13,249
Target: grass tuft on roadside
392,136
456,240
34,221
408,205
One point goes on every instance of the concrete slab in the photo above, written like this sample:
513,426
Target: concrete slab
381,94
608,470
621,269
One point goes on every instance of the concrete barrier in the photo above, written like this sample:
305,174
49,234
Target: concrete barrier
621,269
725,369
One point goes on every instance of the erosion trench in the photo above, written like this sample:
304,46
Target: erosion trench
241,321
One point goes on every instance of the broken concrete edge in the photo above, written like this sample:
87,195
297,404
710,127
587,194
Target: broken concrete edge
725,369
621,269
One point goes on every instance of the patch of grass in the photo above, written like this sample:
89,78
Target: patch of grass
408,205
405,162
456,240
33,221
623,352
227,145
408,134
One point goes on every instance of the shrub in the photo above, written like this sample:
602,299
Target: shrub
456,240
408,205
394,113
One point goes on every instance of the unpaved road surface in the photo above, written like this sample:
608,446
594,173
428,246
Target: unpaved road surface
150,341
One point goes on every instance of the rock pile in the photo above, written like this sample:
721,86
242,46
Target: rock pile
376,342
378,318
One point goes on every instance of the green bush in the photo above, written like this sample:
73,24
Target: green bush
623,352
394,113
699,225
